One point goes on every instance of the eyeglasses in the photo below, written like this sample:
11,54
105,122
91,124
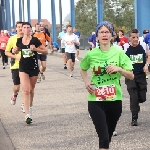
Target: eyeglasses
106,32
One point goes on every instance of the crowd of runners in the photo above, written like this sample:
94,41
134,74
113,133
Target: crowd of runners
110,56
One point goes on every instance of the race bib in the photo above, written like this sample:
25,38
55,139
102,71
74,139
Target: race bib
3,44
136,58
27,53
106,92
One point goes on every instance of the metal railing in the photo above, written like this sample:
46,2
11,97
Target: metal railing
83,42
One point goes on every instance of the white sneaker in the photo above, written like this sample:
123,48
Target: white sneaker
89,116
42,76
31,111
77,59
39,80
115,133
13,99
22,108
71,75
28,119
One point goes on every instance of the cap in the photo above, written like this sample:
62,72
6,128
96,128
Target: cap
63,27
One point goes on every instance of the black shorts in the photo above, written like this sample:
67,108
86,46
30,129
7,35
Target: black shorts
62,50
30,72
42,57
77,46
70,56
15,76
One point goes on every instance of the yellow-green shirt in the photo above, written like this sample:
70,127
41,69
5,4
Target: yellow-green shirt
12,44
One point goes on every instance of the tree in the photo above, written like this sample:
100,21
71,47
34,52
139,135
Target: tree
119,12
67,18
86,16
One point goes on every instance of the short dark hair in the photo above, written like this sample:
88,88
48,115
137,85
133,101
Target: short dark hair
145,31
69,25
19,22
26,23
133,31
37,24
122,32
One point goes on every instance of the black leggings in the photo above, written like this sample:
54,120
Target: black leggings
4,57
105,116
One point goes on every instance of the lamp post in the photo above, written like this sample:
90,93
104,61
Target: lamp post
23,10
60,14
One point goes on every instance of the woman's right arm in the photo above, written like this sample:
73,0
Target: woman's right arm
87,82
84,76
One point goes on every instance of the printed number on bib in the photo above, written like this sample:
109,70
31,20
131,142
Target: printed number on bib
3,44
27,53
106,92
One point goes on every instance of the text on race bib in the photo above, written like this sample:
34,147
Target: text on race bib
136,58
27,53
105,92
3,44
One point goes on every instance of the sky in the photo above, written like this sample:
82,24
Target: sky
45,9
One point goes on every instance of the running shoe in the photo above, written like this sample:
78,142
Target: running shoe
65,67
13,99
134,122
3,67
147,77
89,116
77,59
115,133
42,76
22,108
39,80
71,75
28,119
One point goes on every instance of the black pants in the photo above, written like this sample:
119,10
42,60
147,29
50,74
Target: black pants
105,116
137,89
4,57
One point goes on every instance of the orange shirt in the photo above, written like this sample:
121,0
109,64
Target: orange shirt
42,37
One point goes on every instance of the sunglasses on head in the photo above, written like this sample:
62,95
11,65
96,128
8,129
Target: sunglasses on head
145,32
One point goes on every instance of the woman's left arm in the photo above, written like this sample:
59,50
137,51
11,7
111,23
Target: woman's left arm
126,74
110,69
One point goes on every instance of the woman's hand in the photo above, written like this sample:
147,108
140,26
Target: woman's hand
90,88
32,47
112,69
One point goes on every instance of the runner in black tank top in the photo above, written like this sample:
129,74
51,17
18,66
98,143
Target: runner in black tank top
28,66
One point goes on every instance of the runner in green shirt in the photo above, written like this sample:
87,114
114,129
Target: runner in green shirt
107,64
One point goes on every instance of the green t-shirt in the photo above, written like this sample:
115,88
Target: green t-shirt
108,86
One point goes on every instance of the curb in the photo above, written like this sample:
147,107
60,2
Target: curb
5,141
